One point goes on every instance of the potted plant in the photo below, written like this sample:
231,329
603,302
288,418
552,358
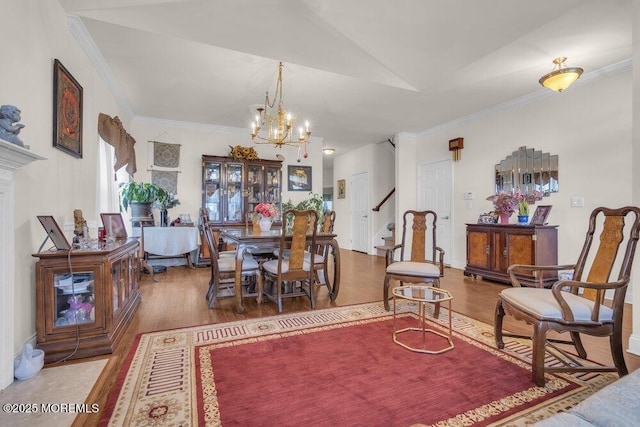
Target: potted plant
165,202
140,196
313,202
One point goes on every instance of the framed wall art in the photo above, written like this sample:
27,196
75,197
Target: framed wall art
299,178
342,188
67,111
540,215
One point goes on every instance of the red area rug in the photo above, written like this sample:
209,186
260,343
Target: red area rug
335,367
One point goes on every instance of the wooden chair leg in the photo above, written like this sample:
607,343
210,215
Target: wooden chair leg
577,343
259,283
436,310
214,294
539,340
615,342
385,293
497,328
311,294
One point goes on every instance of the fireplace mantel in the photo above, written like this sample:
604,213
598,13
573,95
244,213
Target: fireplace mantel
12,158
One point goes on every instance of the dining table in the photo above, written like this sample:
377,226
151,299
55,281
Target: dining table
247,237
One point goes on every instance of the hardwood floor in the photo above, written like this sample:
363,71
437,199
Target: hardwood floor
177,300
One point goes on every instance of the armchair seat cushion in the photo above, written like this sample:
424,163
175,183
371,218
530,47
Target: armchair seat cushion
226,264
542,304
272,266
410,268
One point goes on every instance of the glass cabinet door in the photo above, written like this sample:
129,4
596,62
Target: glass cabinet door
235,211
255,186
212,197
74,298
273,191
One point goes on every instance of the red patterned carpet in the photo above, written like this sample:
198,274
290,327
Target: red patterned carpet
334,367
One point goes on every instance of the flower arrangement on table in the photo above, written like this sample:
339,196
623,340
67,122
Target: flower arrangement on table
505,203
266,210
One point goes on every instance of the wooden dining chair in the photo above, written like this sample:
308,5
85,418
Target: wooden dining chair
295,270
578,305
421,260
321,259
223,272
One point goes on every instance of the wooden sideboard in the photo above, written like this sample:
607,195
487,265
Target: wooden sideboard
492,248
91,307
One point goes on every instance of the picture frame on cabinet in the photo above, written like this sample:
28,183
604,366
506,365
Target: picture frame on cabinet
67,111
54,232
299,178
540,215
114,225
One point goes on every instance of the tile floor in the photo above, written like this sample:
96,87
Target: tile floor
54,392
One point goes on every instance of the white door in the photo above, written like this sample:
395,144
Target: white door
360,212
434,193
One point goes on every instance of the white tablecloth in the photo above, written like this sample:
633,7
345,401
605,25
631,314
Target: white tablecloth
171,241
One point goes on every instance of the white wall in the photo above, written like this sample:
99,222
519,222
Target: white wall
589,127
197,140
35,32
376,159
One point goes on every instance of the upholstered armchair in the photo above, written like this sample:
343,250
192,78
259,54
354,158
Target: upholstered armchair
421,260
578,305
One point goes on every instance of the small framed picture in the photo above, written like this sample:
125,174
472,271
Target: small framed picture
342,187
67,111
487,218
54,233
540,215
299,178
114,225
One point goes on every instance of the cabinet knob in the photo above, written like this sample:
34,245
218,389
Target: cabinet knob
504,252
487,250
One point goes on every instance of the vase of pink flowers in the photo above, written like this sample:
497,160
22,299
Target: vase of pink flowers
267,214
505,203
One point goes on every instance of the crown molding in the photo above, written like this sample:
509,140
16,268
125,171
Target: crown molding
588,78
79,31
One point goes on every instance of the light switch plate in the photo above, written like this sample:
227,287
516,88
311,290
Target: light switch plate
577,201
468,196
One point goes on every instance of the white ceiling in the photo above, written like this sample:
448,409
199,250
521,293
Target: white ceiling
359,70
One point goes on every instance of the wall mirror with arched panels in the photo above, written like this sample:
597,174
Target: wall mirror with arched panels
528,170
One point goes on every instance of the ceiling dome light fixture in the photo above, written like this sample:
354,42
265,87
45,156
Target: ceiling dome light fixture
560,77
279,124
328,151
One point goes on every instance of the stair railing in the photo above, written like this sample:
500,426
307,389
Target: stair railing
377,208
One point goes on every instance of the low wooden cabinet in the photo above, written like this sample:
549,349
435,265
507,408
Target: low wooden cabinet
492,248
87,297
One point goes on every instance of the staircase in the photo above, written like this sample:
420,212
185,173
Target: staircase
389,241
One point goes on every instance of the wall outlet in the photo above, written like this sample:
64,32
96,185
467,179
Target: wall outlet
577,201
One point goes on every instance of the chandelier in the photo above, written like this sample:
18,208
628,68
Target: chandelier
277,127
559,79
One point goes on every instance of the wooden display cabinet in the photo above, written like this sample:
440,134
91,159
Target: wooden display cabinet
492,248
87,297
232,188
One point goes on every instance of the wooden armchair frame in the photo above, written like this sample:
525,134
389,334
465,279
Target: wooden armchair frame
417,269
563,309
